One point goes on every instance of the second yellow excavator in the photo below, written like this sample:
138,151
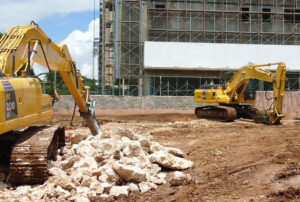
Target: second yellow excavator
232,101
23,104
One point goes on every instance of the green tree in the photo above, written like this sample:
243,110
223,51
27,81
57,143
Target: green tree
1,35
62,87
92,84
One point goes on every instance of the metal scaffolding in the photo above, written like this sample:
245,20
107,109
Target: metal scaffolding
131,22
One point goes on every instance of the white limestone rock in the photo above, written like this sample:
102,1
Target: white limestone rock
155,147
152,169
55,171
69,162
117,191
112,176
103,178
178,178
145,142
170,161
97,172
126,133
104,196
23,190
129,173
82,199
96,186
78,137
107,186
82,191
86,182
146,186
38,194
133,149
175,151
84,149
23,199
59,191
87,162
133,188
157,180
65,184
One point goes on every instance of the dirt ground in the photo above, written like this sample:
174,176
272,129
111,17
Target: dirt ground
238,161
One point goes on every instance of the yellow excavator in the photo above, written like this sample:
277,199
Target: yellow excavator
233,103
23,104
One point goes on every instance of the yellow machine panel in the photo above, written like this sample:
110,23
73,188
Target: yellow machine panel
216,96
24,103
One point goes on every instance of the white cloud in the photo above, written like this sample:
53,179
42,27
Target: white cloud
20,12
80,44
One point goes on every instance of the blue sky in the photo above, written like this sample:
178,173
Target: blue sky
58,27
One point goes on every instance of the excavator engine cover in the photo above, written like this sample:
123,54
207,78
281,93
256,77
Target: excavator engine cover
22,103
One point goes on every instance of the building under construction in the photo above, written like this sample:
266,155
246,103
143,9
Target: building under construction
125,26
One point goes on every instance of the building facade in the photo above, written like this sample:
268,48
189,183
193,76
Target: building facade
126,24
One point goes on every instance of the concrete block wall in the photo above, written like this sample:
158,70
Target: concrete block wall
170,102
291,102
128,102
105,102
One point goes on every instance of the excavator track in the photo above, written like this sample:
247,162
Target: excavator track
221,113
31,152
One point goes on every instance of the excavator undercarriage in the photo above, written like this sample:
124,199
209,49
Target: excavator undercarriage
29,152
229,112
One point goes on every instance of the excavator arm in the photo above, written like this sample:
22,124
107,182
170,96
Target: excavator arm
236,87
24,45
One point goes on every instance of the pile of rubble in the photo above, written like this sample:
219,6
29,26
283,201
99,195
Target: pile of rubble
116,163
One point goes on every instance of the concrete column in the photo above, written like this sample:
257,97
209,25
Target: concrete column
143,38
147,86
